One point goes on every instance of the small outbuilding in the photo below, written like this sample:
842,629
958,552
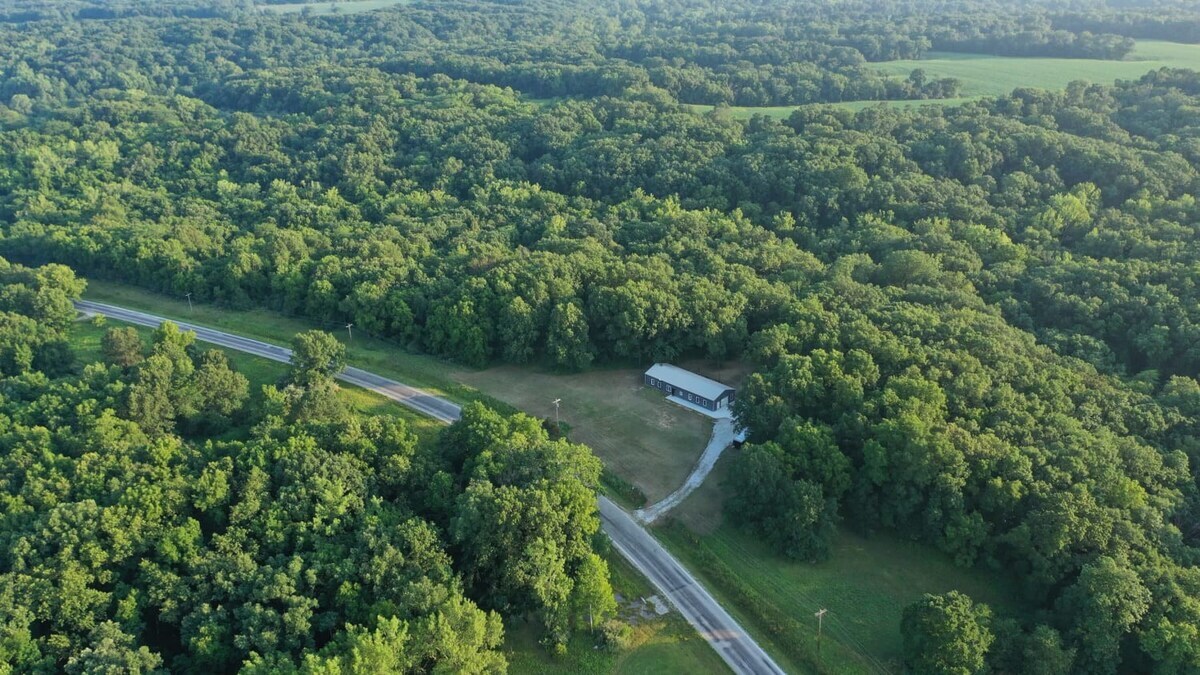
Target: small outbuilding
685,385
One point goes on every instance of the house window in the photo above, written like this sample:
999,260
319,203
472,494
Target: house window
653,382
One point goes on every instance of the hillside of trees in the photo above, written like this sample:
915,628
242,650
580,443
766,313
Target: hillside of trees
977,326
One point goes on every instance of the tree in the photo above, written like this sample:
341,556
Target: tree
316,355
122,346
220,391
149,398
1103,604
592,601
112,651
567,342
518,331
792,514
525,519
946,635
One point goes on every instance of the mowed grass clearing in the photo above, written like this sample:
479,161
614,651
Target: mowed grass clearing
641,437
326,8
865,584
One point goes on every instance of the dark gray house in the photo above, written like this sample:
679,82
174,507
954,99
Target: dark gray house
688,386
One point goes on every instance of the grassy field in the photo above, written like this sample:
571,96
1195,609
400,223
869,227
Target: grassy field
639,436
324,8
865,584
984,75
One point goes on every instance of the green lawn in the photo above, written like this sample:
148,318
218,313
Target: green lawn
865,584
324,8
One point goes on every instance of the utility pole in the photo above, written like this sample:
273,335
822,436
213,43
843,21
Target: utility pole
820,623
350,332
189,297
556,402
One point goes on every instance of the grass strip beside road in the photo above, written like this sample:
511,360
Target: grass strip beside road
791,644
363,351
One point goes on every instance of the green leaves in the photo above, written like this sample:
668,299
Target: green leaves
316,355
946,635
525,520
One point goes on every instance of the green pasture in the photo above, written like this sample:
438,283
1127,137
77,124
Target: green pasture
984,75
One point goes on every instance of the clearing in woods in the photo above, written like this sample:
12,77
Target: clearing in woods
639,435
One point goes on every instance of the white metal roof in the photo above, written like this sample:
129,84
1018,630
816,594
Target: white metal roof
687,380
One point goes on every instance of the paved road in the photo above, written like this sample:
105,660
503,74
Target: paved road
630,539
722,437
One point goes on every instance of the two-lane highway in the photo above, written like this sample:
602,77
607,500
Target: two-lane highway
630,539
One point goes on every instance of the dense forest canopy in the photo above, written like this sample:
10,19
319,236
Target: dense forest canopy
153,517
976,325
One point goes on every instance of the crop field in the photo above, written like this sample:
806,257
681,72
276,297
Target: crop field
325,8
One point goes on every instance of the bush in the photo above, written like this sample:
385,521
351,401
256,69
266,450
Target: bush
615,635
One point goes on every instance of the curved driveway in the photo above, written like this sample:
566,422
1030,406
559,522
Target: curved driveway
630,539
